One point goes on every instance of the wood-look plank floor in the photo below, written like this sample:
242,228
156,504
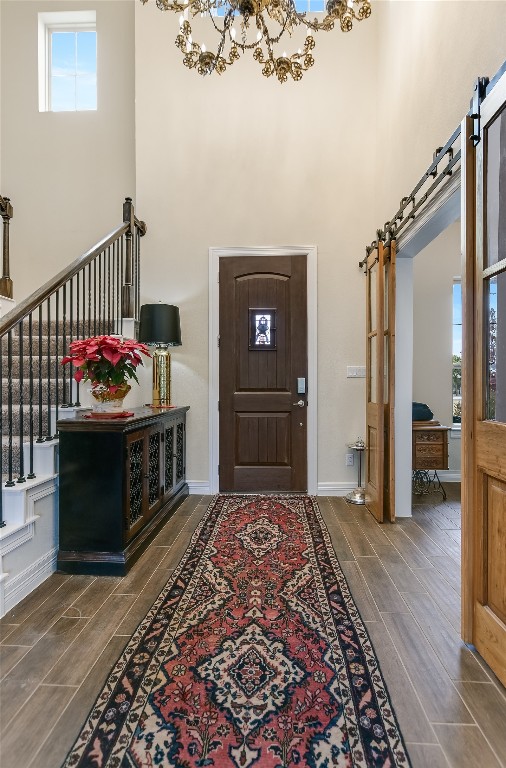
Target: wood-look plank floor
59,644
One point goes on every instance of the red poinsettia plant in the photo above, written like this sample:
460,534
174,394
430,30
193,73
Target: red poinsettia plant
106,361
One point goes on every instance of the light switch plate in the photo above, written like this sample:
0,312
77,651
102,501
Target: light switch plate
355,372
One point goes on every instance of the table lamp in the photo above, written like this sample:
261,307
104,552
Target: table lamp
159,326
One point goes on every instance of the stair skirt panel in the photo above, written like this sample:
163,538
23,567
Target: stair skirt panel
28,550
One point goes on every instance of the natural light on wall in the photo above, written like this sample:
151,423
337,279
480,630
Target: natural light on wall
67,61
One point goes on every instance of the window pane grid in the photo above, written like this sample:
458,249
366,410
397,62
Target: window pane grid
73,70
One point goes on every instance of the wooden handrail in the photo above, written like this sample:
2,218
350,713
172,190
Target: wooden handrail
12,318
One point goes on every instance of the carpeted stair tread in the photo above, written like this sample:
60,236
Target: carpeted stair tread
15,418
47,342
47,384
37,366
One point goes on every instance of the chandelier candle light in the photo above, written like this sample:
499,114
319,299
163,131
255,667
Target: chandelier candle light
107,362
257,26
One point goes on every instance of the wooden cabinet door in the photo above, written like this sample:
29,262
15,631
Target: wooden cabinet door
153,472
169,456
135,483
144,478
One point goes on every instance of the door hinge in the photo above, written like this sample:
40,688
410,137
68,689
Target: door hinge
218,469
218,405
218,340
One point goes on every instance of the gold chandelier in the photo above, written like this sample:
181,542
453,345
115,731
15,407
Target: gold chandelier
257,26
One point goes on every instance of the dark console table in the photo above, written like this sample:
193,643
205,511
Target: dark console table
120,480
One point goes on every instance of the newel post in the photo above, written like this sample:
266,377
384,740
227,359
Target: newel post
6,211
127,290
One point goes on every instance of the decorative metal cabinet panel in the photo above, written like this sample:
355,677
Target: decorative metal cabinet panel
120,480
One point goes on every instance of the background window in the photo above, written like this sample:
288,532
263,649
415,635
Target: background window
67,61
457,354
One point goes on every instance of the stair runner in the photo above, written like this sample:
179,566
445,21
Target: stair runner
47,384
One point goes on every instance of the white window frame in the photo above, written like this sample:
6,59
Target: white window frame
58,21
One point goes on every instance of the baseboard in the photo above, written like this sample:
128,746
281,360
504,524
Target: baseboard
335,489
25,582
199,488
449,475
203,488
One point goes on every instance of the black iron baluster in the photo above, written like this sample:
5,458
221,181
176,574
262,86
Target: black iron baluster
101,297
103,291
21,406
79,330
118,289
40,438
84,303
89,300
48,372
109,290
56,364
10,481
68,399
31,473
121,278
138,268
2,523
113,288
64,400
95,297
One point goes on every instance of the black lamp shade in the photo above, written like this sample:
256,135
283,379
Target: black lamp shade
159,324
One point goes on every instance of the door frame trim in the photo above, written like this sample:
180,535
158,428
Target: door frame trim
311,253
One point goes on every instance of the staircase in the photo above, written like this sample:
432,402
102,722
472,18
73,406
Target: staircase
97,294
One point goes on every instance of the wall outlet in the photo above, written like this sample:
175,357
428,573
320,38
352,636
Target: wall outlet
349,460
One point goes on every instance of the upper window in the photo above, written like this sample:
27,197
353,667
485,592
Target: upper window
301,6
67,61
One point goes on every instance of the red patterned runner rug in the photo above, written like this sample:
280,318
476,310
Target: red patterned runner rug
254,654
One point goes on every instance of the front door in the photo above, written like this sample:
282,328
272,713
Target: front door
263,373
484,540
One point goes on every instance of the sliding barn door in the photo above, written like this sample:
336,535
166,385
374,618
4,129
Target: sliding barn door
484,535
380,368
375,412
389,382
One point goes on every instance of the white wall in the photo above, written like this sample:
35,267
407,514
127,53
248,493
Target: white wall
242,160
66,173
433,272
433,51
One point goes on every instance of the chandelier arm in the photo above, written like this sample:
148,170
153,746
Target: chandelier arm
281,12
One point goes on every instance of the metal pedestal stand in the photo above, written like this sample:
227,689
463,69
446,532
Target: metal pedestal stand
357,496
422,481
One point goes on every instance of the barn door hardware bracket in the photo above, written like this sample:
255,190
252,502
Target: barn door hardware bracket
480,91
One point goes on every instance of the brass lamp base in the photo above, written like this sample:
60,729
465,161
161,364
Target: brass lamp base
161,377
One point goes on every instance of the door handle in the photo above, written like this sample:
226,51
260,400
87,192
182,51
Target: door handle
300,403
